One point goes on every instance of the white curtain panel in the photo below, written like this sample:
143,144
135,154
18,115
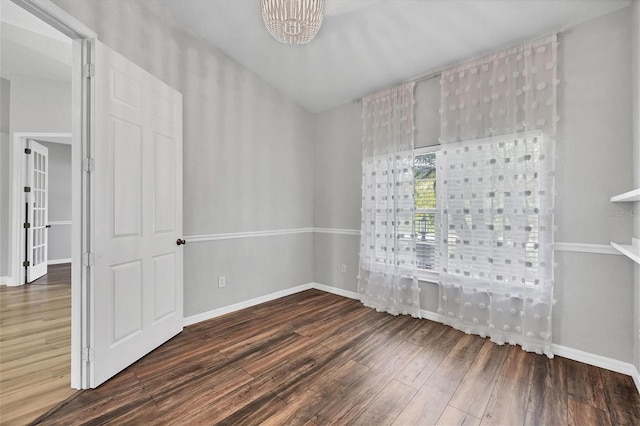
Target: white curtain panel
510,91
387,276
496,195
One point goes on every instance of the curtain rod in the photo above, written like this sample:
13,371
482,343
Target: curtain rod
439,73
415,80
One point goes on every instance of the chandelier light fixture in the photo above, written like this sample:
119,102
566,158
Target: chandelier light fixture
292,21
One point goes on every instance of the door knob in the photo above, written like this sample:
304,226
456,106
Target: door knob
180,242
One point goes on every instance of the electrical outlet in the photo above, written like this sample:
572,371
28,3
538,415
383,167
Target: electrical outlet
344,269
222,281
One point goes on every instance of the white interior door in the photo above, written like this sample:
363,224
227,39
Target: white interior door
137,275
37,211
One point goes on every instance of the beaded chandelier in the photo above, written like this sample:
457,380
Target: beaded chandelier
292,21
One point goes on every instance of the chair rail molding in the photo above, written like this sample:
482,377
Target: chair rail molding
337,231
59,222
558,245
268,233
250,234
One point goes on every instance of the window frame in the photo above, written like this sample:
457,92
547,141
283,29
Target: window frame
424,274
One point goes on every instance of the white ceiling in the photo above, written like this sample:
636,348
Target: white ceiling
366,45
30,47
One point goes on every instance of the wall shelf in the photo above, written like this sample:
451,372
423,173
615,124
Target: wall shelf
630,250
627,197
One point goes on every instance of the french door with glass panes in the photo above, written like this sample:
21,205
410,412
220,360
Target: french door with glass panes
36,210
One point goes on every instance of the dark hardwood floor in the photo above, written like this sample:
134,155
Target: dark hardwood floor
315,358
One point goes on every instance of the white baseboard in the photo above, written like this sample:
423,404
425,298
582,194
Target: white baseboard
636,377
6,281
58,261
573,354
266,298
335,290
563,351
598,361
431,316
242,305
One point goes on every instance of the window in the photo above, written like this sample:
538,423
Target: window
496,193
495,198
426,214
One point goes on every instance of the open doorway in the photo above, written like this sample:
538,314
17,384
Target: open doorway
42,207
58,199
36,92
126,250
40,94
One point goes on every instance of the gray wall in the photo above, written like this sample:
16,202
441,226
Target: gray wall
595,130
427,96
595,306
40,105
36,106
336,188
59,200
337,172
247,155
595,309
4,205
5,99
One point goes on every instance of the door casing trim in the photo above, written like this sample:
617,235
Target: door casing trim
83,42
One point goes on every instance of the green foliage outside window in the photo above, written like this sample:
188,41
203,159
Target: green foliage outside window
425,202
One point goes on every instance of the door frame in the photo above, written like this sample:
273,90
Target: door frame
83,88
17,198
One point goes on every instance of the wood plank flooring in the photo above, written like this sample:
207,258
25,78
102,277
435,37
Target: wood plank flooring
317,359
35,340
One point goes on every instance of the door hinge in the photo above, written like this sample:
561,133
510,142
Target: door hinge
88,165
87,355
27,150
26,225
87,259
27,189
88,70
26,263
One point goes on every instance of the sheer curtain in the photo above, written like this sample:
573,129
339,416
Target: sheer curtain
387,276
495,195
